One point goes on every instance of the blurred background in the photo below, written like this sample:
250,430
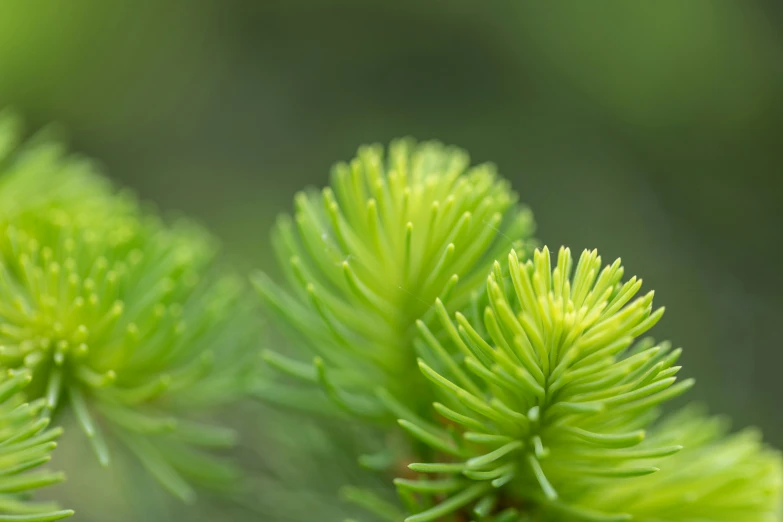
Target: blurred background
650,130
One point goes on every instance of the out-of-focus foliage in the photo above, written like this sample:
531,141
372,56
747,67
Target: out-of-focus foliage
118,316
717,476
39,177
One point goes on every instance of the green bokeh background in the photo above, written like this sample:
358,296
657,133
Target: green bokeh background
650,130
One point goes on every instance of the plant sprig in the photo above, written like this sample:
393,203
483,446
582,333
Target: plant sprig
26,443
543,394
549,393
366,257
124,320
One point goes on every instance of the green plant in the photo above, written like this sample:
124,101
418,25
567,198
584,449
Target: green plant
552,398
365,258
504,388
125,321
541,404
717,476
38,175
26,442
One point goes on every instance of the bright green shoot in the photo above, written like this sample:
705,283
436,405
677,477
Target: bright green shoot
365,259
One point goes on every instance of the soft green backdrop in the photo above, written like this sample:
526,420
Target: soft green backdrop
651,130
